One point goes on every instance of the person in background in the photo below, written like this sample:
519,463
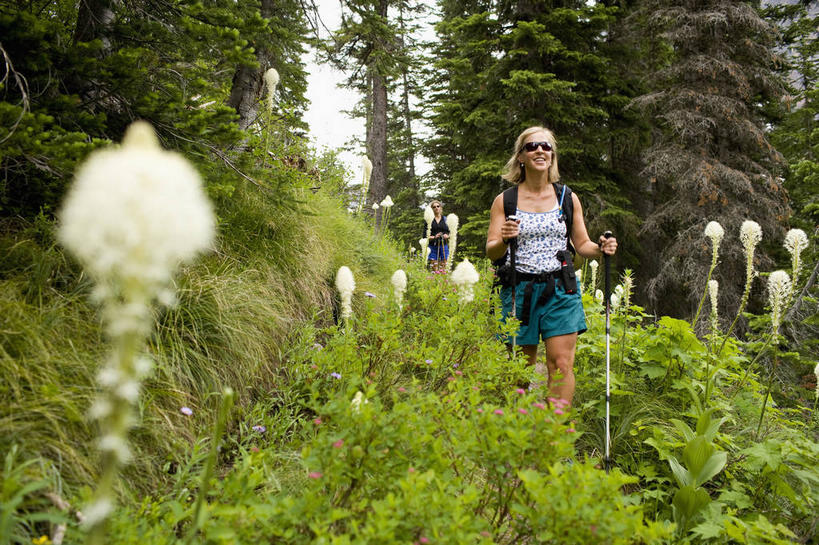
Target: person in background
555,308
438,239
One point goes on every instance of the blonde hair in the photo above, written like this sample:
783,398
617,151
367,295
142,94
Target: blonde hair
436,202
512,171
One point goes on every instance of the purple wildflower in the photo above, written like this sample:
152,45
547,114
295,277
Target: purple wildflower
259,428
335,375
187,411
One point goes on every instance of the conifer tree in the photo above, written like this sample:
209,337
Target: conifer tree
711,159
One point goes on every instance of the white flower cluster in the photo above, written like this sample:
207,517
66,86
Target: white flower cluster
452,222
271,80
134,213
465,277
713,291
429,215
779,289
345,284
750,234
387,202
424,244
593,283
715,232
795,241
399,286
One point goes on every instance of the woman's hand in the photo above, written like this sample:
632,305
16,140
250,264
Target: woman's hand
607,245
510,229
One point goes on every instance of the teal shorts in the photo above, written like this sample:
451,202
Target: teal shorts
560,315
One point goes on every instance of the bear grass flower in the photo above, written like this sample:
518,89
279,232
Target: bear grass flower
779,289
366,172
133,214
816,374
429,215
465,277
715,232
271,80
750,234
593,282
424,244
795,242
452,222
345,284
399,286
713,290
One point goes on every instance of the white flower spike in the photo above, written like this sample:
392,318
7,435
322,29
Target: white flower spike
465,277
345,283
399,286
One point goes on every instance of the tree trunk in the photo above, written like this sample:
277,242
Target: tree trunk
377,141
94,20
248,83
377,134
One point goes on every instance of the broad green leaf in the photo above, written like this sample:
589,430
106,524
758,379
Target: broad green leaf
696,453
712,466
684,429
680,473
687,502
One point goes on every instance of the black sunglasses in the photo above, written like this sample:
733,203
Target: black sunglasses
532,146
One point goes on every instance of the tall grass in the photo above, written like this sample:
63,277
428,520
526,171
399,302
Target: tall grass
237,309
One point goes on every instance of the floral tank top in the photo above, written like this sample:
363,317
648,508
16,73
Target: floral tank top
542,235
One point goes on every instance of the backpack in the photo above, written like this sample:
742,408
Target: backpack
564,198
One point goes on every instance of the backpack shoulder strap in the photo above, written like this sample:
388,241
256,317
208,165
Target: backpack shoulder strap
510,201
564,197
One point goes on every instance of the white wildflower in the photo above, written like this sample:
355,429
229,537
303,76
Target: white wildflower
795,241
345,283
750,233
271,80
715,232
399,285
452,221
97,512
429,215
366,170
424,244
713,290
412,249
135,212
594,264
357,401
465,277
615,301
779,288
387,202
375,206
816,374
598,296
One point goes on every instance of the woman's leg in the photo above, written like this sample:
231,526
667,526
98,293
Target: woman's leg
560,359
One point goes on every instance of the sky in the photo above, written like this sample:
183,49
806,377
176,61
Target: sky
329,127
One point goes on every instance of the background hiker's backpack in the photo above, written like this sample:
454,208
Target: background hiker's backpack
564,197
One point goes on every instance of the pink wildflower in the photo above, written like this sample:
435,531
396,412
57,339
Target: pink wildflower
317,421
538,405
402,389
521,391
480,410
423,540
459,373
411,469
450,379
570,430
339,443
498,411
523,411
315,475
558,411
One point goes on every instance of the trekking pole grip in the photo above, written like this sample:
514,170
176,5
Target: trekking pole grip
607,268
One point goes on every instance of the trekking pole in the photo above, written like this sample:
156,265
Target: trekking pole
513,247
607,297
